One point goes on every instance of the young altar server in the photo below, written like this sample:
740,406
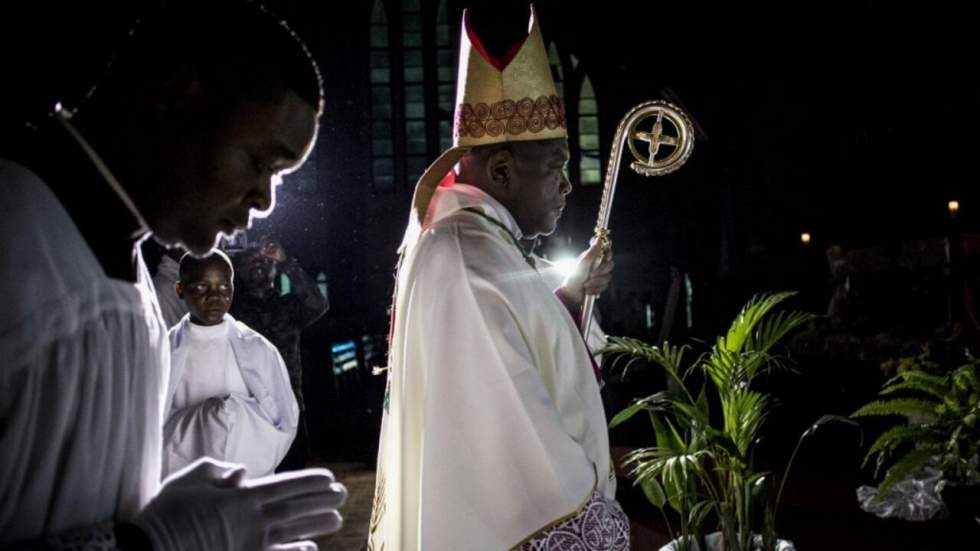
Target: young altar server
229,396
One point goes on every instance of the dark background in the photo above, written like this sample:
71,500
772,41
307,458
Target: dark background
854,121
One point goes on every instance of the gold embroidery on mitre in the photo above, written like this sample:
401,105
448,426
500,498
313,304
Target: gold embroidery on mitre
509,117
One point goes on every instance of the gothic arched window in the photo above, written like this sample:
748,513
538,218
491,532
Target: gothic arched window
413,89
446,76
590,168
582,114
382,150
414,86
556,71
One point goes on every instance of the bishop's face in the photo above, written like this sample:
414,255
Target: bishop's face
539,186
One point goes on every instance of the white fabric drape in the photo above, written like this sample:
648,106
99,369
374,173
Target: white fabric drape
494,428
229,398
83,361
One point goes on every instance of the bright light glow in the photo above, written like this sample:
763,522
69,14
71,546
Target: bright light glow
805,238
954,207
565,266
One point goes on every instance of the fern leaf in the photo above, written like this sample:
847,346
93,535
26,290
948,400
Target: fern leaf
913,386
913,379
903,468
890,439
898,406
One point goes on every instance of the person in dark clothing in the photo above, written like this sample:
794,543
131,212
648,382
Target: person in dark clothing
280,318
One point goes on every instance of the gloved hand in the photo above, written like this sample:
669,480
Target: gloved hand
208,506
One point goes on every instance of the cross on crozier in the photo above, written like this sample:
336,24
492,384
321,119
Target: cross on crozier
656,138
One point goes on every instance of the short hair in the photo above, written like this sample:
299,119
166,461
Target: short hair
238,49
190,264
520,148
478,155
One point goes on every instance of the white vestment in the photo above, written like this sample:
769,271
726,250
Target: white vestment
229,398
83,361
494,429
551,273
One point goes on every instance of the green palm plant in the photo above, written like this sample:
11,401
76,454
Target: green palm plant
697,468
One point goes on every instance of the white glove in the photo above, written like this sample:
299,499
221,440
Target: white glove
207,507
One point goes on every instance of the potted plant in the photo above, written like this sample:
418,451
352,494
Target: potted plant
936,393
699,467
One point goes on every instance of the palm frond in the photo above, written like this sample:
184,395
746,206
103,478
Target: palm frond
666,434
654,402
702,403
620,359
669,357
743,413
672,357
695,467
674,471
751,363
641,455
773,329
722,366
674,483
699,511
691,415
625,349
697,364
743,325
654,492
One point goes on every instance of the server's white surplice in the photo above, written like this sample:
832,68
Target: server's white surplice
229,398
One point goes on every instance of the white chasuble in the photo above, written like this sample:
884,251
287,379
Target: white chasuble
493,431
